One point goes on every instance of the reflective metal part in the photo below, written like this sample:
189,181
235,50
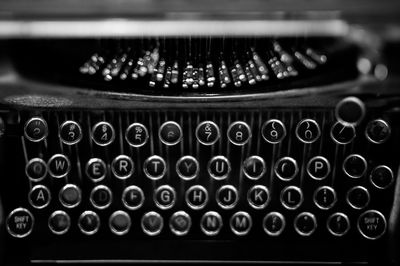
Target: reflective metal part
189,74
235,77
305,61
254,71
240,71
210,75
175,73
136,70
153,78
160,70
116,68
224,78
319,58
284,56
167,79
97,62
250,78
202,81
126,70
273,63
260,65
146,67
195,78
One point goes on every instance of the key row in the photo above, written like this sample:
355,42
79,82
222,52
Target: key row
219,168
207,132
371,224
197,197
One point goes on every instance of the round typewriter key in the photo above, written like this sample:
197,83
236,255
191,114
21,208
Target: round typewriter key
207,133
342,134
286,168
308,131
305,224
165,197
170,133
219,167
239,133
70,196
70,132
241,223
227,197
291,197
122,167
59,222
381,177
187,167
254,167
36,169
39,197
119,223
152,223
136,135
325,197
211,223
59,166
36,129
274,223
133,197
196,197
372,224
20,223
258,197
378,131
338,224
355,166
103,133
358,197
89,222
101,197
180,223
350,111
273,131
96,169
318,168
155,167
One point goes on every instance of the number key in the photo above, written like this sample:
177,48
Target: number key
70,132
136,135
239,133
273,131
103,133
308,131
36,129
207,133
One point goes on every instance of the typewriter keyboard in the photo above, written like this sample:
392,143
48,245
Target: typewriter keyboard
202,174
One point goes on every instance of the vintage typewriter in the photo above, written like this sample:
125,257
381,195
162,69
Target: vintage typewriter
190,133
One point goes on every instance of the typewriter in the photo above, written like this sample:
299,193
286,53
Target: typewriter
199,132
